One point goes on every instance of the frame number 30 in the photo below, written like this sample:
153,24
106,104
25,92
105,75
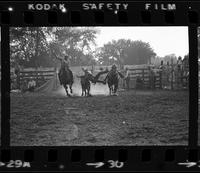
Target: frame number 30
115,164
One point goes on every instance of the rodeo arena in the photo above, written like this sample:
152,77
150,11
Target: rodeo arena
95,105
137,87
146,76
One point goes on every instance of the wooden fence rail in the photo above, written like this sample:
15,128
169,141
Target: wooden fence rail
40,76
159,80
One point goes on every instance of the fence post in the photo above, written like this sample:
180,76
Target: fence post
55,73
18,80
160,79
150,79
143,77
172,78
36,77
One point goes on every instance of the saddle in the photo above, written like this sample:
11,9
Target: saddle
63,74
113,74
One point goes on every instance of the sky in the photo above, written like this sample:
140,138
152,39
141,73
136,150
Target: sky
163,40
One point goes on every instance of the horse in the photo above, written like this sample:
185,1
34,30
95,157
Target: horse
85,85
87,78
113,81
65,76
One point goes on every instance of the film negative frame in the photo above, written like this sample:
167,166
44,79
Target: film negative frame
71,158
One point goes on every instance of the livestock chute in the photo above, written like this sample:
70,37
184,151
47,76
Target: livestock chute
50,86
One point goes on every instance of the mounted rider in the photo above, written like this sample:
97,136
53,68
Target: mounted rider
113,71
65,64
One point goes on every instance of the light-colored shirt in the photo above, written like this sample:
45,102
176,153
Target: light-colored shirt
179,62
127,74
31,83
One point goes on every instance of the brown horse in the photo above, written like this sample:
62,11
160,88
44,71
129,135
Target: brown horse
65,76
113,79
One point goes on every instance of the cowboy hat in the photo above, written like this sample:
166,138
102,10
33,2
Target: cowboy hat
114,66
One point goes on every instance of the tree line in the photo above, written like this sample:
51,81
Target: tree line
39,46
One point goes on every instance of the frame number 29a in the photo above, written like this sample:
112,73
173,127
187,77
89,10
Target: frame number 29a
115,164
15,164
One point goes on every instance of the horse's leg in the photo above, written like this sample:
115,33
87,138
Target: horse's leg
115,88
89,92
110,90
70,86
82,92
66,89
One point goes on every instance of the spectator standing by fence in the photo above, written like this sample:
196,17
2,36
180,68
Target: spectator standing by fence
127,78
179,72
185,65
168,71
122,81
151,78
162,75
167,74
179,63
24,86
31,85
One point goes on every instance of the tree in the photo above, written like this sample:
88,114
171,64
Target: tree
171,58
37,46
125,52
27,44
139,53
74,41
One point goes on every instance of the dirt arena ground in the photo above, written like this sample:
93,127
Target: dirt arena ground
132,118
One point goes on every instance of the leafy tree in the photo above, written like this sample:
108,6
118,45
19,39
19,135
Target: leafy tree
125,52
139,53
37,46
171,58
27,44
75,42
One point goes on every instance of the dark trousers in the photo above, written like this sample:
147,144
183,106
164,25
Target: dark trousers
31,89
127,83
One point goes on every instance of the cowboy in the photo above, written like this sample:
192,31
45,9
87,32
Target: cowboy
127,77
85,82
179,63
86,72
113,70
31,85
152,77
65,63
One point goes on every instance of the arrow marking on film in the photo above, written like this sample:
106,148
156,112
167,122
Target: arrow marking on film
188,164
97,165
2,164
